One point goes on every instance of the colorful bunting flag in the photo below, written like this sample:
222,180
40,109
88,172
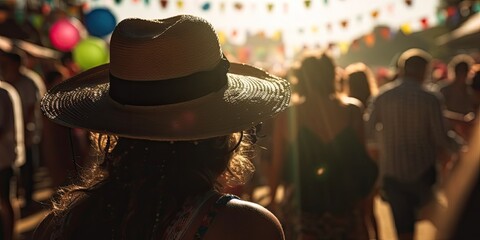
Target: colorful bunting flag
206,6
277,36
238,6
385,33
369,39
424,22
222,39
270,7
164,3
441,16
344,46
222,6
307,3
180,4
406,29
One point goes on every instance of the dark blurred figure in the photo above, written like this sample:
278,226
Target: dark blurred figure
56,149
459,100
11,64
8,26
319,149
8,155
406,122
457,97
360,84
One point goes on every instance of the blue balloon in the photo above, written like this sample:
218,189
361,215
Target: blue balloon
100,22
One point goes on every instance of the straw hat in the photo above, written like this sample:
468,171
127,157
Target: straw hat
167,80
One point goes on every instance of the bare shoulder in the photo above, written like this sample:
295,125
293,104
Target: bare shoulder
245,220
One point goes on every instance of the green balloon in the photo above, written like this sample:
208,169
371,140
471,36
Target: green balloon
37,20
90,52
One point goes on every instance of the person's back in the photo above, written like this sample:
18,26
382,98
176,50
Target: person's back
320,145
210,215
7,131
411,122
406,122
11,153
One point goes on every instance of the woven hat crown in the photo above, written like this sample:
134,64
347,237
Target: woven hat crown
163,49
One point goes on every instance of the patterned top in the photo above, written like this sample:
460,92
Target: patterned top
406,122
183,220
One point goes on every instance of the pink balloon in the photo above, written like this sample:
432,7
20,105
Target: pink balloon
64,35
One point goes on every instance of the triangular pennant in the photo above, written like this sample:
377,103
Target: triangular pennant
206,6
164,3
180,4
270,7
375,14
238,6
222,6
147,2
277,36
424,22
118,1
344,46
344,23
406,29
369,39
441,16
409,2
307,3
385,33
222,39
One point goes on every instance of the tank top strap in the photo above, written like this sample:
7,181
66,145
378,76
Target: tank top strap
212,212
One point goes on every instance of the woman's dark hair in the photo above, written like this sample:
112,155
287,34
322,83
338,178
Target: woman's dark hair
360,83
318,74
138,174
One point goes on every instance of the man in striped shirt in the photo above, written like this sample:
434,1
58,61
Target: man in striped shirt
405,121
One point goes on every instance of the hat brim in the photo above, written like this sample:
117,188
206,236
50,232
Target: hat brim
250,97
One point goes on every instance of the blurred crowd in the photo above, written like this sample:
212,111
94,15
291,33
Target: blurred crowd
395,133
